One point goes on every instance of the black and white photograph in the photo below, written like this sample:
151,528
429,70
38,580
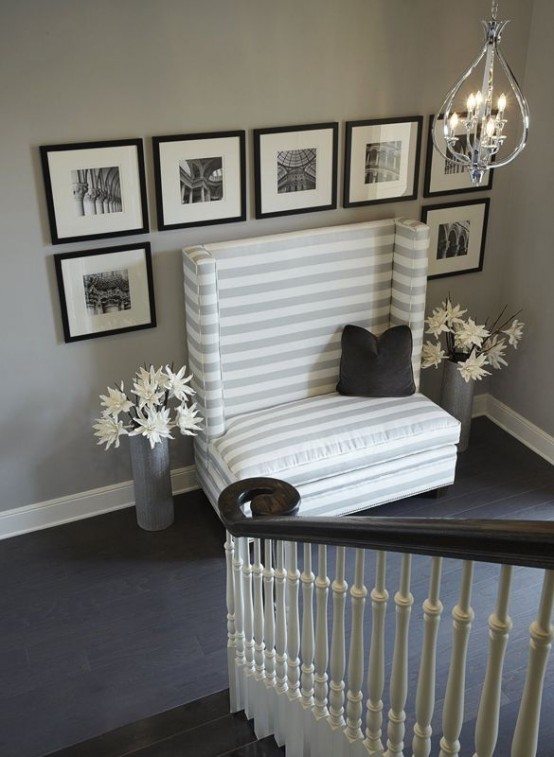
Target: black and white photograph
106,291
447,177
200,179
381,160
295,169
457,237
95,190
453,239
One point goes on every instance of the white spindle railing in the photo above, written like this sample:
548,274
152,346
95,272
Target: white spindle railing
376,667
399,673
425,693
286,676
453,712
542,635
486,729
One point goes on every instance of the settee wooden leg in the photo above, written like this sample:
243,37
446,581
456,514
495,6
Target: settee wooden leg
440,492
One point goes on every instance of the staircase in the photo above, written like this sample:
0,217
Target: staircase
203,728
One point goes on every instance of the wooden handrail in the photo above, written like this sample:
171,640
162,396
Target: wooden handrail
274,505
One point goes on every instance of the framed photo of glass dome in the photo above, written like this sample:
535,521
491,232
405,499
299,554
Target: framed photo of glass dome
382,160
295,169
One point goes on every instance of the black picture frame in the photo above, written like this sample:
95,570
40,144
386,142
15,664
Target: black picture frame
95,190
458,234
105,291
295,169
382,159
442,179
185,196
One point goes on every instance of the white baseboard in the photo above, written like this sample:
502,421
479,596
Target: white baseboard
54,512
515,424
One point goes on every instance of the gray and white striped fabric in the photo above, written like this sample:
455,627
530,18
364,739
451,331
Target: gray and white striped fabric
264,322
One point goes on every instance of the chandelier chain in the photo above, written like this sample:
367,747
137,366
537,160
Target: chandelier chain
494,9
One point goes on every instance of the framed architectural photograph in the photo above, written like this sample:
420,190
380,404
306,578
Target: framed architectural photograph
95,190
381,160
200,179
106,291
457,239
445,177
295,169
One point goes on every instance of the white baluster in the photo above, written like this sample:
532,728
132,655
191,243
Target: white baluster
321,656
338,659
307,645
280,643
294,735
269,634
425,694
453,709
261,720
542,635
231,626
240,659
354,696
248,610
376,664
486,728
399,672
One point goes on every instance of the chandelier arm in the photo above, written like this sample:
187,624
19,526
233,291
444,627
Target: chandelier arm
523,107
449,99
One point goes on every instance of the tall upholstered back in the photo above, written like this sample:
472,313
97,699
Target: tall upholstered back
264,316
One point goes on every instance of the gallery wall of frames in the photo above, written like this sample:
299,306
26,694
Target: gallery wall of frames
97,190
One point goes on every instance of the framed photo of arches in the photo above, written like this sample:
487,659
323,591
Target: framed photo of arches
200,179
457,237
295,169
381,160
95,190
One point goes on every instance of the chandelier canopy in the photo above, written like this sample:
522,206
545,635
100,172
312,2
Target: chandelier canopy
472,135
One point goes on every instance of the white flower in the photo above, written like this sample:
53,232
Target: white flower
437,322
151,375
188,420
432,354
148,391
116,402
495,353
469,335
514,333
177,383
472,368
109,429
154,424
453,313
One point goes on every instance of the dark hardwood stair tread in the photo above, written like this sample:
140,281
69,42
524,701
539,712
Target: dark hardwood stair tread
262,748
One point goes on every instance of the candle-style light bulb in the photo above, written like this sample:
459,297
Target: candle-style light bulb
501,104
453,122
470,103
490,127
478,98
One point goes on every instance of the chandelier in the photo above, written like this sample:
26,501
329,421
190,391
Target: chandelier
474,137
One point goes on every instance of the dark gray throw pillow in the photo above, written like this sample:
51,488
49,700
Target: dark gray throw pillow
376,366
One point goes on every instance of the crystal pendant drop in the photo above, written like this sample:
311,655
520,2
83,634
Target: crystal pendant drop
474,135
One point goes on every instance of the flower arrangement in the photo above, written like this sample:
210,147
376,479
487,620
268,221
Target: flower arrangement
150,414
467,343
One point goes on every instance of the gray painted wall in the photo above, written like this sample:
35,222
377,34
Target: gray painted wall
74,71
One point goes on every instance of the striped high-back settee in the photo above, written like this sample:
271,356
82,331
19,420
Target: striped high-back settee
264,318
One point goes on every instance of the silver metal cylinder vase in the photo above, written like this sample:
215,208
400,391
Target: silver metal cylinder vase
456,398
152,483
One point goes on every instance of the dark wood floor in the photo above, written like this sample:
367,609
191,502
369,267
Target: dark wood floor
102,624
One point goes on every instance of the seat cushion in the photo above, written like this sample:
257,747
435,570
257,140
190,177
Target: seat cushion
329,435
